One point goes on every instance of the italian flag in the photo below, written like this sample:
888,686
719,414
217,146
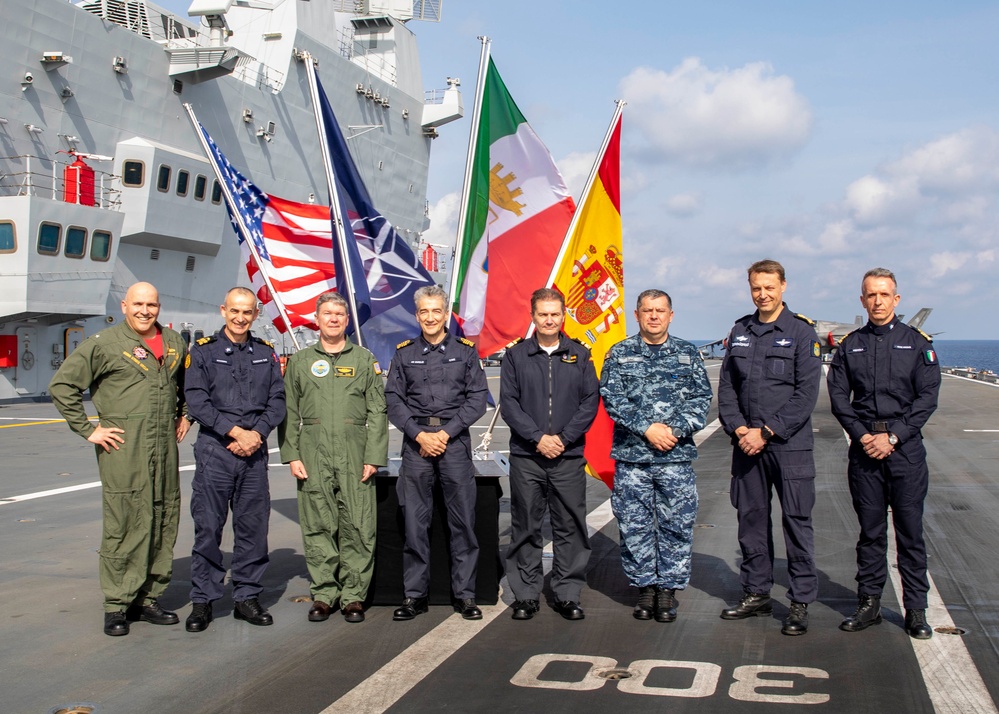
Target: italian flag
518,211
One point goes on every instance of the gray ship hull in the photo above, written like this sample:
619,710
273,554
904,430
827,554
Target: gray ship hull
55,654
80,82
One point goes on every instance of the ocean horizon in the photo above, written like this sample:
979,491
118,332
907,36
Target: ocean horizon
977,354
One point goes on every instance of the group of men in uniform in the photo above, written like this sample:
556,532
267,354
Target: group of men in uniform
332,409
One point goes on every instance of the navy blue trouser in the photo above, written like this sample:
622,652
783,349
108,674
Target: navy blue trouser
754,479
224,481
415,489
559,486
900,481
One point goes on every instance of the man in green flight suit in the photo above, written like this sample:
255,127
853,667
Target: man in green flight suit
334,437
135,373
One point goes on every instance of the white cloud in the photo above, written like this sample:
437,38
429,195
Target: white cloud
443,220
954,178
717,118
684,205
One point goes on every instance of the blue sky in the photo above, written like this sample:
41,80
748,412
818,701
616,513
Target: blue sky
834,137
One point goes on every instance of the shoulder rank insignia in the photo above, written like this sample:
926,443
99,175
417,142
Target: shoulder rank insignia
466,342
404,343
514,342
925,336
207,340
585,344
806,320
187,361
843,338
262,341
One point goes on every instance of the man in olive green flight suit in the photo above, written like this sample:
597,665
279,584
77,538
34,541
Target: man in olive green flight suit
135,373
334,437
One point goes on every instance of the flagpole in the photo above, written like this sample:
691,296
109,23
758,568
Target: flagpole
238,217
582,200
335,215
480,90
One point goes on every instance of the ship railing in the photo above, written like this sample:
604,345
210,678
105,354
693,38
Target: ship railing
143,18
372,62
32,180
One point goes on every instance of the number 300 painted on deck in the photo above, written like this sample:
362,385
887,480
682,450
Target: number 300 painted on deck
745,686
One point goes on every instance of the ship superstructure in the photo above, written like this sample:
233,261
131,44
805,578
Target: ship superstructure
102,180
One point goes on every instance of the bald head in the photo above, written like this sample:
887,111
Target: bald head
141,307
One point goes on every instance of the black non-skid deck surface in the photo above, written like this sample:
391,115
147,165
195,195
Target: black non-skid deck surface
54,653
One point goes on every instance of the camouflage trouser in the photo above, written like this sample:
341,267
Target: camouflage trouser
655,506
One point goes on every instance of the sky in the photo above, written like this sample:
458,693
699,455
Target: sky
832,137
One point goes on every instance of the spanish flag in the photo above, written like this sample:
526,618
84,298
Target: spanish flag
591,277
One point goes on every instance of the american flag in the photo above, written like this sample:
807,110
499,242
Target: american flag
293,240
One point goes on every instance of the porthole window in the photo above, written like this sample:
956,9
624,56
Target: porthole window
49,238
100,246
8,238
216,193
76,242
163,178
200,188
133,173
183,179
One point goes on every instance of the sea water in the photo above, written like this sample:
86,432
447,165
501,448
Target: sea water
977,354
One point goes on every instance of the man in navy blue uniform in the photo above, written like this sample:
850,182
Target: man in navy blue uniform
234,390
436,389
767,390
883,384
549,394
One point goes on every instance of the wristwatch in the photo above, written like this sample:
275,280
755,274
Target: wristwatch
892,439
766,433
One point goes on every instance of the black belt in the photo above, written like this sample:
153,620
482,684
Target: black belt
431,421
881,426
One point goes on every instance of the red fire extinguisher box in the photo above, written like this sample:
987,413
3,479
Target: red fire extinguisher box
8,351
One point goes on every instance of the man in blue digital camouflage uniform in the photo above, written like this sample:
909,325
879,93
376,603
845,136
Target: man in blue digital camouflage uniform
883,384
436,389
656,390
234,390
766,393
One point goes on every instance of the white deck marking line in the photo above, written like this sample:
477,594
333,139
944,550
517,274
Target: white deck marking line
952,680
981,431
389,684
78,487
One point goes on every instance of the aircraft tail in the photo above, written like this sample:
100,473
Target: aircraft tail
920,317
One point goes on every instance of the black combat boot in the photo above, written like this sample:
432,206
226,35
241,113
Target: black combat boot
751,605
646,606
665,605
868,613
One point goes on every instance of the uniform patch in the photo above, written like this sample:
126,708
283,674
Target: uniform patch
139,352
569,359
857,349
417,361
740,341
378,368
631,360
783,342
260,361
187,361
930,356
343,371
320,368
903,347
816,349
684,359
